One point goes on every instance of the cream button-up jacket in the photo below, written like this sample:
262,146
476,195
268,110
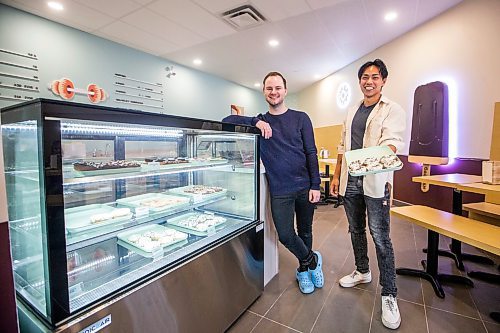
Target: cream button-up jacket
385,125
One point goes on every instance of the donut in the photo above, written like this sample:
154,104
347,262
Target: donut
94,93
55,87
63,86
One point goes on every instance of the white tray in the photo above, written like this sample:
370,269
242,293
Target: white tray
78,218
105,171
197,197
123,240
136,201
371,152
175,223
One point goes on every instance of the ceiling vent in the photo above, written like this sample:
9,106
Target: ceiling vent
243,17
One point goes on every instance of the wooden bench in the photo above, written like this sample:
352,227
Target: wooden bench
476,233
484,211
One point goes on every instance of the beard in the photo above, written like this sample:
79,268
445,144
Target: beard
274,103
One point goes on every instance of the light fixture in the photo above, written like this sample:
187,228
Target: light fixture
197,61
256,84
55,5
170,71
390,16
317,76
274,43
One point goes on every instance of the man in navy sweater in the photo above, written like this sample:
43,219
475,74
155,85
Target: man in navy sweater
288,152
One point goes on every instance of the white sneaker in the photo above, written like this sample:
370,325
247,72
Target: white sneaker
390,312
355,278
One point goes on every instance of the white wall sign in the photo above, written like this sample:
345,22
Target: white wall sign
343,95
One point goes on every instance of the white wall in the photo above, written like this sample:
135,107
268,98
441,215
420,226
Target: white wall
462,46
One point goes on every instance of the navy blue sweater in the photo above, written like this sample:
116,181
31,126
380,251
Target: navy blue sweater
290,155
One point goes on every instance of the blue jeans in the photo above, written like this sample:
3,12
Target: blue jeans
283,209
357,205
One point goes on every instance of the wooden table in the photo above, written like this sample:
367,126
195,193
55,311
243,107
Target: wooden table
459,182
333,163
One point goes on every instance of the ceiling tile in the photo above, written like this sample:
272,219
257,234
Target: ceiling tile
219,6
430,8
318,4
114,8
281,9
159,26
137,37
192,17
74,14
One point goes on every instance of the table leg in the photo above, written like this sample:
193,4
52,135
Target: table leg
456,246
430,272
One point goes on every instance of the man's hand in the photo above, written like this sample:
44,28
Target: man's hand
265,128
334,186
314,196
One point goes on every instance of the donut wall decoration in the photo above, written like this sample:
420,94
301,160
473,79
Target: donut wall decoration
66,89
18,75
130,90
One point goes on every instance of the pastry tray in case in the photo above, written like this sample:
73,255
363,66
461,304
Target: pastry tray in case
175,239
372,160
78,218
197,197
142,200
101,172
179,222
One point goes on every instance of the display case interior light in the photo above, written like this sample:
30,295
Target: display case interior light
22,126
70,127
225,137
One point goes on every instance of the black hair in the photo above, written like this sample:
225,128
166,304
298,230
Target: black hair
382,69
273,74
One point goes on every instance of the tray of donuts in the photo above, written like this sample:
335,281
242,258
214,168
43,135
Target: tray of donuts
152,240
94,168
95,216
372,160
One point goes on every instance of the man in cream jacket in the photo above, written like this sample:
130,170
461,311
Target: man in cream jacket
374,121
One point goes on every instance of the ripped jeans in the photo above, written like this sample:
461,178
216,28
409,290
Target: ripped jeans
357,206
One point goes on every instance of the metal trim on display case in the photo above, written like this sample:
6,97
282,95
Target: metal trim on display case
56,108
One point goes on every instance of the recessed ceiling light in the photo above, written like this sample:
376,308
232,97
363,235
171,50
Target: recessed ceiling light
390,16
55,5
197,61
274,42
256,84
317,76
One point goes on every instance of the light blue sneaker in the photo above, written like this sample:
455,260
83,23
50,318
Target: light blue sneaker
317,273
305,284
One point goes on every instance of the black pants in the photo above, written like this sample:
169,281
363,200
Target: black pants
283,209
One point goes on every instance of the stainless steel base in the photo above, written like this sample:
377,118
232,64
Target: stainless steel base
205,295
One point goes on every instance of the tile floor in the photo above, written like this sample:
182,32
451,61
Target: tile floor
282,308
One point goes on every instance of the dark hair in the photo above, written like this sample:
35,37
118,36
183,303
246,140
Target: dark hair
382,69
273,74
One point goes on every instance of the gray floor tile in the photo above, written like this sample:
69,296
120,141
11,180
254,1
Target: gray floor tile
267,326
297,310
486,296
346,310
492,328
245,323
457,299
445,322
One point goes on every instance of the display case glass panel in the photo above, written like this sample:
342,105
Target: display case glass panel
119,201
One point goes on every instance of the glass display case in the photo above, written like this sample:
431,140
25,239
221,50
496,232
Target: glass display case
101,200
